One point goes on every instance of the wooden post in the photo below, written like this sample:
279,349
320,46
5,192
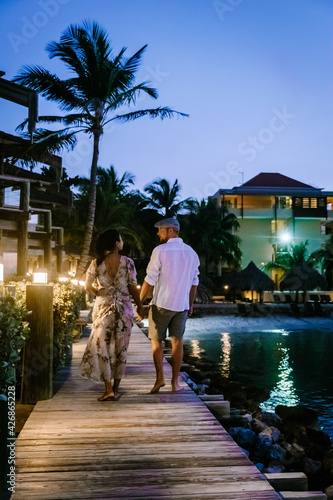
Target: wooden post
37,376
22,238
47,243
60,249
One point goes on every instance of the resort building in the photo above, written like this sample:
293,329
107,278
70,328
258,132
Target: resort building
275,211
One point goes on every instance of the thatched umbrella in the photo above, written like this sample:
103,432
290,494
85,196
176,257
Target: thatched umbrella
302,278
250,278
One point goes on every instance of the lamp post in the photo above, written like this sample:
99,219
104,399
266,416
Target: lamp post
37,373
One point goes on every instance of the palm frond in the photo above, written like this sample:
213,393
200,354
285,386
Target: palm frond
151,113
49,86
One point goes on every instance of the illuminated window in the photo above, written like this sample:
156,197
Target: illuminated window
278,227
306,203
313,203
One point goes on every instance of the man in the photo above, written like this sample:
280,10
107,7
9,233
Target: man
173,275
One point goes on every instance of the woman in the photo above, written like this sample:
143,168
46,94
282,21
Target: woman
112,279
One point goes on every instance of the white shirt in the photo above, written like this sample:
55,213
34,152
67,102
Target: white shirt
172,270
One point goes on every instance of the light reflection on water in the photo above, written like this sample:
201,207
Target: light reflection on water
225,357
284,391
293,366
197,352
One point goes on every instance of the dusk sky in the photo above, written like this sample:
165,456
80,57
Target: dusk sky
255,76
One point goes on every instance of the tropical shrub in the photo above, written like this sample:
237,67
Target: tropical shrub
14,330
68,300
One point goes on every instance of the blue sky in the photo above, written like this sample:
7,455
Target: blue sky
255,76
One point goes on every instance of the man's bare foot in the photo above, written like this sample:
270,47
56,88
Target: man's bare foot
175,387
157,386
106,396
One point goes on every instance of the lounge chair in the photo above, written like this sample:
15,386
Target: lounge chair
314,297
325,299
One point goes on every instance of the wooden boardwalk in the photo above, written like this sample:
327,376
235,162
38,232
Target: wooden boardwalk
146,446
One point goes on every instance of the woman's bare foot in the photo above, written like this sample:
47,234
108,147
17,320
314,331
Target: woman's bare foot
157,386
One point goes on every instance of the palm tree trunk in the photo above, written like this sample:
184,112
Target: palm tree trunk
92,207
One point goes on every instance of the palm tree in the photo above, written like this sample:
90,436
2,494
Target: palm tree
112,209
99,85
292,259
164,198
286,261
210,231
324,257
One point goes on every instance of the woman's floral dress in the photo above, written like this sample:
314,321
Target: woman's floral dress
106,353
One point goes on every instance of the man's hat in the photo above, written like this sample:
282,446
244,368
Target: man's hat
168,223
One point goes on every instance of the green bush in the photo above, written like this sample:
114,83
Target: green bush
13,332
68,300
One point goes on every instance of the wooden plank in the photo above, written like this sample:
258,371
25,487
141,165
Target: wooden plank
147,446
288,481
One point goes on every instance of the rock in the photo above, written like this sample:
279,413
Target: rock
274,468
248,417
272,434
201,388
257,425
192,384
302,437
310,467
316,443
329,492
259,466
328,460
295,453
318,437
297,415
269,418
245,438
264,451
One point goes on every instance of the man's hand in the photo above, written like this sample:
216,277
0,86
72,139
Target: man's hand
140,312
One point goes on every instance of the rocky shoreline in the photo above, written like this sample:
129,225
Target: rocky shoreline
288,440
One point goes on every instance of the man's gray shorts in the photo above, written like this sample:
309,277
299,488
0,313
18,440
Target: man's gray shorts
162,319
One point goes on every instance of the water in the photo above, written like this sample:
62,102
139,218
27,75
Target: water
294,366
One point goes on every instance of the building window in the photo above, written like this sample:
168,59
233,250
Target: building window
306,203
321,202
298,202
313,203
284,202
278,227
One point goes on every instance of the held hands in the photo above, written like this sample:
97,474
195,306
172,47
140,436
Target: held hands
140,312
